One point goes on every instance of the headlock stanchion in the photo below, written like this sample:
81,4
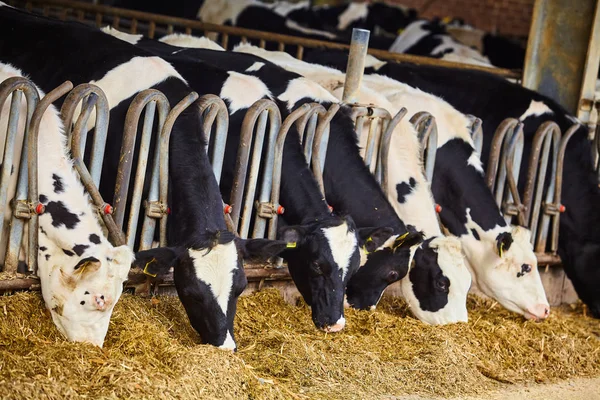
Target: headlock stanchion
93,100
15,150
384,148
148,101
505,153
216,118
254,130
426,128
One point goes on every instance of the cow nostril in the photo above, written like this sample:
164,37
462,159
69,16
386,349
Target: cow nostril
102,297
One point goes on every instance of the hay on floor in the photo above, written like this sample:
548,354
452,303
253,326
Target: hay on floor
151,351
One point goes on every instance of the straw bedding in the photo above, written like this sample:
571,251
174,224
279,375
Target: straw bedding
151,351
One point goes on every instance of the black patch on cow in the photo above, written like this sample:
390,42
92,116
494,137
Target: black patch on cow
12,170
69,253
43,231
504,240
84,261
82,302
430,286
61,215
80,248
404,189
43,199
475,234
525,268
47,257
94,238
58,184
43,248
86,292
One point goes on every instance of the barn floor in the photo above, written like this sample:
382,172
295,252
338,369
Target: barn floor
151,352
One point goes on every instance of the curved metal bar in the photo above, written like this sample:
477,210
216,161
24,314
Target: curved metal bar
278,160
214,109
134,112
547,138
379,119
321,141
307,126
165,136
243,208
554,208
32,170
17,86
427,132
385,148
510,199
476,131
81,93
508,125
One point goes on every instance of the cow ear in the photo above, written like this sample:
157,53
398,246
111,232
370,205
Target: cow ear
122,257
503,242
157,261
373,238
408,240
293,234
260,248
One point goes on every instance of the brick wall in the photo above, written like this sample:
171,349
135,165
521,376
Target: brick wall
508,17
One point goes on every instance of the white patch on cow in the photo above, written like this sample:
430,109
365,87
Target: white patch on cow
229,343
126,37
308,31
451,262
475,162
98,286
573,119
283,8
535,109
241,91
300,88
182,40
410,36
220,11
462,53
497,276
2,4
372,62
255,67
130,78
354,12
342,243
456,57
216,268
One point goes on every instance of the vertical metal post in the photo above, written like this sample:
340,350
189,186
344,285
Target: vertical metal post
557,49
356,64
590,73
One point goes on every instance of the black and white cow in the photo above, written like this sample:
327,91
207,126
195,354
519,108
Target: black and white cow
417,207
207,261
494,99
81,273
326,252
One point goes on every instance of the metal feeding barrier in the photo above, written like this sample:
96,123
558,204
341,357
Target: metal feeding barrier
538,207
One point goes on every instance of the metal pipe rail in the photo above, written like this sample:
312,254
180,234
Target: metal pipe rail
151,24
426,128
216,118
12,235
254,130
88,98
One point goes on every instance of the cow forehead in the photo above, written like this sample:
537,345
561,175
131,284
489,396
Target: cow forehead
216,269
451,261
342,243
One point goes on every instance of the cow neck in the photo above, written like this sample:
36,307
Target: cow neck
349,185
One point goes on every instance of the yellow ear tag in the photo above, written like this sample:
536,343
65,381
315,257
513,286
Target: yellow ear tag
501,250
291,245
446,20
85,264
400,31
146,268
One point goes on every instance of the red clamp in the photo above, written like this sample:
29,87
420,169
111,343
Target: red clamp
39,209
330,208
169,210
227,209
280,210
438,208
562,208
107,209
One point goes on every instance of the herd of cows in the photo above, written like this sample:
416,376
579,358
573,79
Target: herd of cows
344,257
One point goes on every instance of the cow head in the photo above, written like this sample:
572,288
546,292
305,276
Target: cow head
81,287
438,281
504,267
385,258
209,277
321,260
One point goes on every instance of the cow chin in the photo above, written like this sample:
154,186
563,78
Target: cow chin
92,331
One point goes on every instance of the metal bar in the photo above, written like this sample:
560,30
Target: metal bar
165,136
476,131
426,128
32,170
590,72
385,148
15,234
356,64
273,37
307,126
214,109
557,49
320,144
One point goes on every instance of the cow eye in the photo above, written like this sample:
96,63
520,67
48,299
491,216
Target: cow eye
393,276
442,285
525,268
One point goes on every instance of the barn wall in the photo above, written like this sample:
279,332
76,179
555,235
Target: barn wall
508,17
